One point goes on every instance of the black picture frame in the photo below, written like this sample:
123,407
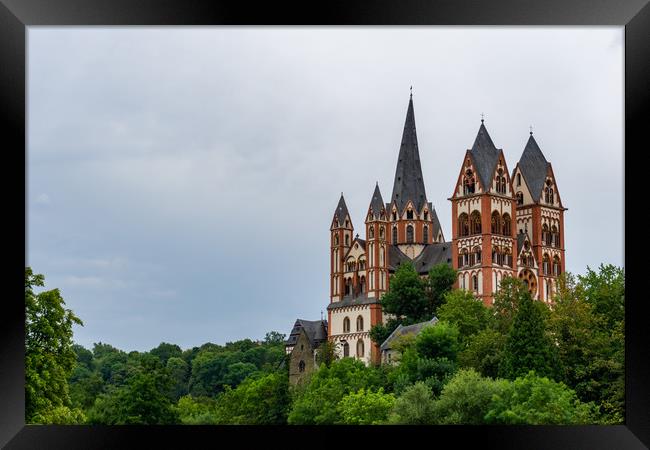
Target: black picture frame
17,15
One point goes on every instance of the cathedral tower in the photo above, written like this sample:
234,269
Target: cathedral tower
483,211
539,221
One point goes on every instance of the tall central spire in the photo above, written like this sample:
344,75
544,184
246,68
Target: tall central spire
409,184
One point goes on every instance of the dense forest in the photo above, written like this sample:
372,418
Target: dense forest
519,362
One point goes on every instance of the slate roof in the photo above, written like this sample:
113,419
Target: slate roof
431,255
362,299
436,223
485,156
377,203
521,238
341,211
316,331
402,331
409,184
533,166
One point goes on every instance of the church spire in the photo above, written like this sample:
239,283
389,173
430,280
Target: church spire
377,202
341,211
409,184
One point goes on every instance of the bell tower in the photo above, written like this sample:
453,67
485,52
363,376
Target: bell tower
341,231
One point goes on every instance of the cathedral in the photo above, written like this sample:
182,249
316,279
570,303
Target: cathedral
503,224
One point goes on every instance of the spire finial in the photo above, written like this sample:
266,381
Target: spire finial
411,91
531,130
482,117
321,315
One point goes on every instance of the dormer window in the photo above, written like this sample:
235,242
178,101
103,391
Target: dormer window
426,215
500,182
520,198
548,192
518,179
409,214
394,215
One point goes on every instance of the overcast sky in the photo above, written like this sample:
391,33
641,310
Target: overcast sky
182,181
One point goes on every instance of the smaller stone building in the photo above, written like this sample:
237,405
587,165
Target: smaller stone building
387,350
302,347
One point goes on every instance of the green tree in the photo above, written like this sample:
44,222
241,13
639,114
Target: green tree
528,346
439,283
506,302
197,411
274,338
179,371
484,352
415,406
406,297
366,407
466,398
144,399
49,355
326,353
462,309
605,291
258,400
438,341
537,400
317,402
164,351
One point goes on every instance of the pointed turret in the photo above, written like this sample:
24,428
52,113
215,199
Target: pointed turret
485,156
409,184
340,214
376,203
533,166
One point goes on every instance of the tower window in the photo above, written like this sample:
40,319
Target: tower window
518,179
506,224
463,225
475,283
409,234
347,239
476,222
425,234
495,223
426,215
381,232
346,325
395,235
394,215
468,183
520,198
409,214
371,232
301,366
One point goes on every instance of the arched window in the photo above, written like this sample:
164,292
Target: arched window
336,239
477,255
394,235
381,232
500,182
426,215
465,256
468,182
520,198
556,265
555,237
360,349
548,192
475,283
359,323
346,325
476,222
463,225
531,261
496,256
409,234
506,224
362,285
348,286
347,239
409,214
507,257
346,349
425,234
371,232
301,366
394,215
518,179
546,264
546,238
495,223
381,256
